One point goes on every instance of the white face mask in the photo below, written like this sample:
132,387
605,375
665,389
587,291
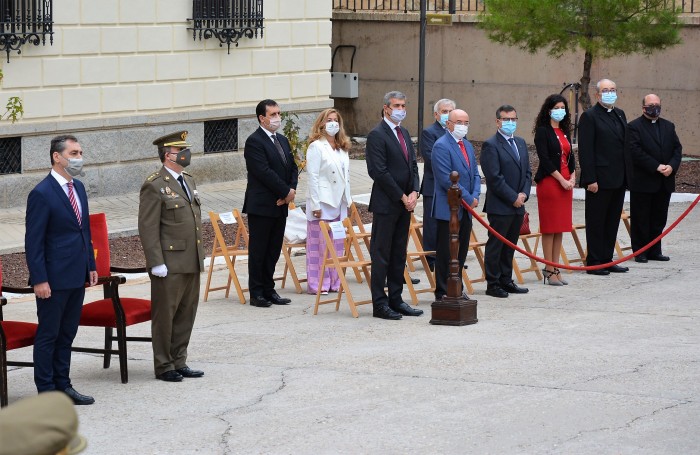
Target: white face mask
460,131
274,124
332,128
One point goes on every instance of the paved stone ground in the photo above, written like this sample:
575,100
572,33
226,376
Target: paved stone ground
604,365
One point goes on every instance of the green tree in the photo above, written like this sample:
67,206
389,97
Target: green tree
601,28
13,109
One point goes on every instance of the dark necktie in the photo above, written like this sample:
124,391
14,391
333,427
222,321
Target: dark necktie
402,141
74,203
279,148
516,154
184,188
464,152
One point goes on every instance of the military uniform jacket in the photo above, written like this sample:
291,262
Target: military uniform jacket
170,226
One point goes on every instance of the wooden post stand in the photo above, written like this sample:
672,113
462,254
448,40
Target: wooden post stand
454,309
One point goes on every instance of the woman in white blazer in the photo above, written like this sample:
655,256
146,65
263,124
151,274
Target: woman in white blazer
328,194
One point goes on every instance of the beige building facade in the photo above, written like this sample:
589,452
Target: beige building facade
122,72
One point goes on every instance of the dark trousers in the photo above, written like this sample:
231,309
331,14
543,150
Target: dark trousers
498,257
388,253
266,235
429,228
603,210
174,301
58,316
648,216
442,254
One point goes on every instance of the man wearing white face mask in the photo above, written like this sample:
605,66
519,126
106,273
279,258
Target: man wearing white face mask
453,152
272,183
602,130
391,163
60,260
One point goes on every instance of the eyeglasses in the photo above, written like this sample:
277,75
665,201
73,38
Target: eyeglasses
459,122
652,105
506,119
609,90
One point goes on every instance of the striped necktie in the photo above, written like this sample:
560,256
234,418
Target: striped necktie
74,203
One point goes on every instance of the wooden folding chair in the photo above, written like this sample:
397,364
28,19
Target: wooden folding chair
624,216
478,250
229,252
354,238
579,248
418,254
340,264
358,225
534,266
287,248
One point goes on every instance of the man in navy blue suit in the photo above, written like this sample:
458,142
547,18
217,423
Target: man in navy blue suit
453,152
60,259
441,111
506,167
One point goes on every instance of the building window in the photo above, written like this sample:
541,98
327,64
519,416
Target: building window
10,155
22,21
227,20
221,136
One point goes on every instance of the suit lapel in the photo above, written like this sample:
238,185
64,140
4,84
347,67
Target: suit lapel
63,197
397,144
460,157
172,183
508,150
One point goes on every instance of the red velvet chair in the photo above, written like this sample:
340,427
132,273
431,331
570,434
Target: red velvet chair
112,312
13,335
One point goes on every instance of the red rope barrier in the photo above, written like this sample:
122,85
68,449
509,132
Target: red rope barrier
574,267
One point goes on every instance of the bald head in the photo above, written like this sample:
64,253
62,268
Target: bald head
651,106
457,117
651,99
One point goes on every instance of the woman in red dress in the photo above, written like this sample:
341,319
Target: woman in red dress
555,178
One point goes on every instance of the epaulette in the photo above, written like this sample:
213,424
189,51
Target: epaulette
153,176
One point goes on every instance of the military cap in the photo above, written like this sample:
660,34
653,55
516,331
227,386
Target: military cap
178,139
45,424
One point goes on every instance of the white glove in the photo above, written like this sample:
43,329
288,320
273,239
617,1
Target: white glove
160,271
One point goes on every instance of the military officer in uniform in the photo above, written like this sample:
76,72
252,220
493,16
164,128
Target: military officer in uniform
170,226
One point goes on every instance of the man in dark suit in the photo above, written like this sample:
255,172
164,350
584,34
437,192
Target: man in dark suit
601,137
453,152
272,183
441,110
170,228
60,258
654,150
506,167
391,163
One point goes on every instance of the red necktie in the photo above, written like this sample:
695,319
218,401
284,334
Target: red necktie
74,203
403,142
464,152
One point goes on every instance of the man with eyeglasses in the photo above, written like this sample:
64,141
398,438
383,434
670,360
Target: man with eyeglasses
453,152
654,150
602,130
441,111
506,167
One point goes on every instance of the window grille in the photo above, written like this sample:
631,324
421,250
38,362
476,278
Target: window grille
227,20
25,21
220,136
10,155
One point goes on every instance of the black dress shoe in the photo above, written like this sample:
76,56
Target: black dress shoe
659,257
496,291
600,272
617,269
78,398
260,302
170,376
277,300
384,312
187,372
405,309
641,258
512,288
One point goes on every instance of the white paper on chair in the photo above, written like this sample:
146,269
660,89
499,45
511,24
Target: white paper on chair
337,229
227,218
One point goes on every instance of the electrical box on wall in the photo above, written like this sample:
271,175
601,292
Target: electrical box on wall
344,85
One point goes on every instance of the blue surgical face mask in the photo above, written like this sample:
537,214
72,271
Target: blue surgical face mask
609,97
397,115
443,119
558,114
509,126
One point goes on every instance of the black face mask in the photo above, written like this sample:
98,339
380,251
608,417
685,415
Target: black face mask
184,157
653,111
